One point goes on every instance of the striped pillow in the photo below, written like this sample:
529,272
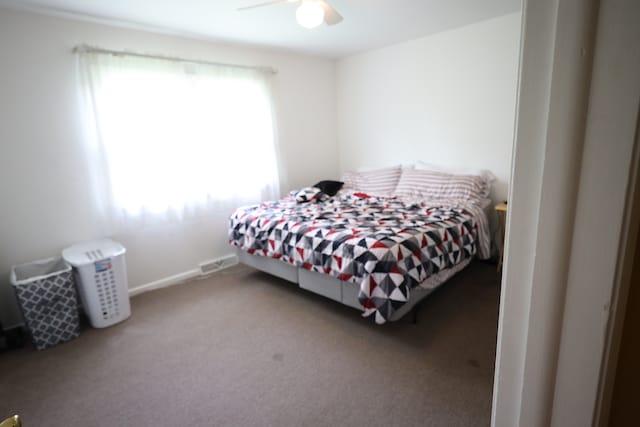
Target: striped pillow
429,185
350,180
378,182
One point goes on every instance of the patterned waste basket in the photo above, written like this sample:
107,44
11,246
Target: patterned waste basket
48,299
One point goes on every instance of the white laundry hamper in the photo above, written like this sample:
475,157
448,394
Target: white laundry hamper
101,276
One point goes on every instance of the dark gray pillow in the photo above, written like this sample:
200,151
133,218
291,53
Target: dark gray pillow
329,187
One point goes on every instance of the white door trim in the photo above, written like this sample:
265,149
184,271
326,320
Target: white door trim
561,251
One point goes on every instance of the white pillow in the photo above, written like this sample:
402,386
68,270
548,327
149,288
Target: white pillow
486,174
377,182
417,184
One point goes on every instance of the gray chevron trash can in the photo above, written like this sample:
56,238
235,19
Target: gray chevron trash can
47,296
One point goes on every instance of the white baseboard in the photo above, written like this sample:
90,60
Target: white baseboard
176,279
186,276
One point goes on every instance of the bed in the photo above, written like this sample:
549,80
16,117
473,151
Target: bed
381,244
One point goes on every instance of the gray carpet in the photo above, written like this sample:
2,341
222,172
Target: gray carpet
242,348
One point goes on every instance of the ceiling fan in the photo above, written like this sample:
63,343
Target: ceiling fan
309,14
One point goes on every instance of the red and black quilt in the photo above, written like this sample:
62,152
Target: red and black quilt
385,246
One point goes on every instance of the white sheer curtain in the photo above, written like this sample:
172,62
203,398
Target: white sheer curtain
171,138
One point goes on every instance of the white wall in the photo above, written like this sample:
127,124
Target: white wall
43,180
448,98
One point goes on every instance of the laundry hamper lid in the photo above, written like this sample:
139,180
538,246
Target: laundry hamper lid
89,252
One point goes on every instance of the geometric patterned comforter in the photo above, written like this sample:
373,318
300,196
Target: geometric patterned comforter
385,246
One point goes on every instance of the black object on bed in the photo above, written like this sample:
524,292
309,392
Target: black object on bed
329,187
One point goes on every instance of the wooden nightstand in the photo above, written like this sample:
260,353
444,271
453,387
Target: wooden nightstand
501,209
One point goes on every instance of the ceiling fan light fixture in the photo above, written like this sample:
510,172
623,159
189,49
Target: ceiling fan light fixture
310,14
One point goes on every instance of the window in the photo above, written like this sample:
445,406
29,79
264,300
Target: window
173,136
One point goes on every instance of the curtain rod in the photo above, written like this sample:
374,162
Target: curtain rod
91,49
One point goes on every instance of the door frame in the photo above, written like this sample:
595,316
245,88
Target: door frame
558,285
622,285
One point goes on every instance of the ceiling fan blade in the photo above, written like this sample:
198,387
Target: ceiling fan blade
331,16
268,3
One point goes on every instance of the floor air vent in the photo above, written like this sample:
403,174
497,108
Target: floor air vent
218,264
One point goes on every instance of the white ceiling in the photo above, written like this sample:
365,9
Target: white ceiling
368,24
